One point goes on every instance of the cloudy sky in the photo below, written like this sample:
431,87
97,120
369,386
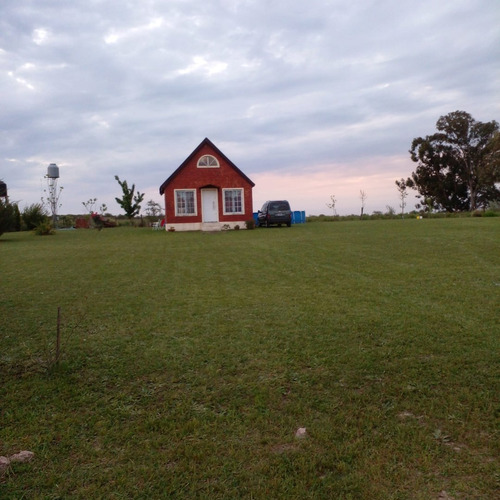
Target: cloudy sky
309,99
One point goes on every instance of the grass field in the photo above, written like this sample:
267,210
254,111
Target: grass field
189,360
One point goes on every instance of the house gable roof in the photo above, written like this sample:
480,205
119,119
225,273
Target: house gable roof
209,143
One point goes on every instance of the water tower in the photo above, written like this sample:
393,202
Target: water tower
52,176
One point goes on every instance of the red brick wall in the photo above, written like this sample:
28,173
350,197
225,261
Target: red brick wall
192,177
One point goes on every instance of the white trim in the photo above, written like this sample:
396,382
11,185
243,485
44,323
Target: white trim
177,214
208,166
242,201
204,226
184,226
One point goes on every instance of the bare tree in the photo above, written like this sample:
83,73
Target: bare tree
153,209
331,205
89,205
52,200
362,197
403,193
390,210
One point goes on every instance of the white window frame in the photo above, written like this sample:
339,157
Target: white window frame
209,157
177,214
242,191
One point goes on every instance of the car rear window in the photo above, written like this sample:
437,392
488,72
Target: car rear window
279,205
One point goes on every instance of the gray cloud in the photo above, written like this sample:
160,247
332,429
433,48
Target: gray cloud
104,88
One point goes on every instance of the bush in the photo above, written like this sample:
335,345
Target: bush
491,213
97,220
250,224
82,223
67,221
44,228
33,216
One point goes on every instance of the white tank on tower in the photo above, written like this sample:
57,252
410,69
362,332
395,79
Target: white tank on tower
53,193
53,171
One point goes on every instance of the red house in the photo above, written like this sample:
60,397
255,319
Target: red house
206,192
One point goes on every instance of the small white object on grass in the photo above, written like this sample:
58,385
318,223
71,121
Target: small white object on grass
301,432
22,456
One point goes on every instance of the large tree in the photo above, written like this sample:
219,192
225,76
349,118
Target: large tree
458,166
7,216
130,203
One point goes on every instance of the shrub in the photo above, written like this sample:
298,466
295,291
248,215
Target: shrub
44,228
33,215
97,220
67,221
236,227
82,223
250,224
491,213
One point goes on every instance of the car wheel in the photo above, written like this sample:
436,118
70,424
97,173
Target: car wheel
288,224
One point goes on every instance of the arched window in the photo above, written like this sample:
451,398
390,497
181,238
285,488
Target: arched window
208,161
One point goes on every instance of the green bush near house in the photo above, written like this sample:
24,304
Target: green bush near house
189,361
33,215
44,229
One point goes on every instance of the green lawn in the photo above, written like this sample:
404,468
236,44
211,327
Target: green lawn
189,360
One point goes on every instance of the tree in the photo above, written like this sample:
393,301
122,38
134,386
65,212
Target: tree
129,202
17,217
7,216
458,166
390,210
89,205
153,209
332,204
403,193
362,197
53,195
491,174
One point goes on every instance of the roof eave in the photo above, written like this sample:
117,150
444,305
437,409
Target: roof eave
195,151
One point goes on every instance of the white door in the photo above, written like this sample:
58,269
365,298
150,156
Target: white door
209,205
